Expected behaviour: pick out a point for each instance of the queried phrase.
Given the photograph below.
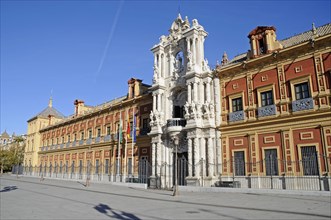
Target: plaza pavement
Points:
(30, 198)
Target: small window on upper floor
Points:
(261, 46)
(237, 104)
(301, 91)
(108, 130)
(82, 135)
(267, 98)
(99, 132)
(90, 134)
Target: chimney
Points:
(79, 104)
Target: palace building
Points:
(276, 109)
(185, 109)
(104, 141)
(260, 120)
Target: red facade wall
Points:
(307, 68)
(237, 86)
(266, 78)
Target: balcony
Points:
(144, 131)
(97, 140)
(266, 110)
(73, 144)
(67, 144)
(81, 142)
(236, 116)
(176, 122)
(89, 141)
(107, 138)
(175, 125)
(302, 104)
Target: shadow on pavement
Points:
(8, 188)
(103, 208)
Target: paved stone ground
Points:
(30, 198)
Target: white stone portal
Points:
(185, 106)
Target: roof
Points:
(306, 36)
(48, 111)
(291, 41)
(5, 134)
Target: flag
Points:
(128, 131)
(120, 131)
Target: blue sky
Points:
(89, 49)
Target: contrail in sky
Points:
(109, 38)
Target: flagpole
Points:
(119, 146)
(126, 146)
(132, 138)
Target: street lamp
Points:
(176, 142)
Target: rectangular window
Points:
(237, 104)
(309, 161)
(62, 140)
(99, 132)
(271, 162)
(266, 98)
(68, 138)
(302, 91)
(80, 167)
(82, 135)
(108, 130)
(145, 123)
(239, 163)
(60, 166)
(90, 134)
(73, 167)
(96, 166)
(75, 137)
(130, 166)
(106, 166)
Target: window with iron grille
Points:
(237, 104)
(73, 167)
(97, 166)
(106, 166)
(130, 166)
(302, 91)
(239, 163)
(266, 98)
(309, 161)
(271, 162)
(80, 166)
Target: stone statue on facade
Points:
(212, 110)
(151, 117)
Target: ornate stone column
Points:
(210, 157)
(208, 90)
(153, 159)
(154, 102)
(195, 90)
(203, 156)
(189, 155)
(153, 176)
(189, 92)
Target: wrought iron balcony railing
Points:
(266, 110)
(176, 122)
(302, 104)
(236, 116)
